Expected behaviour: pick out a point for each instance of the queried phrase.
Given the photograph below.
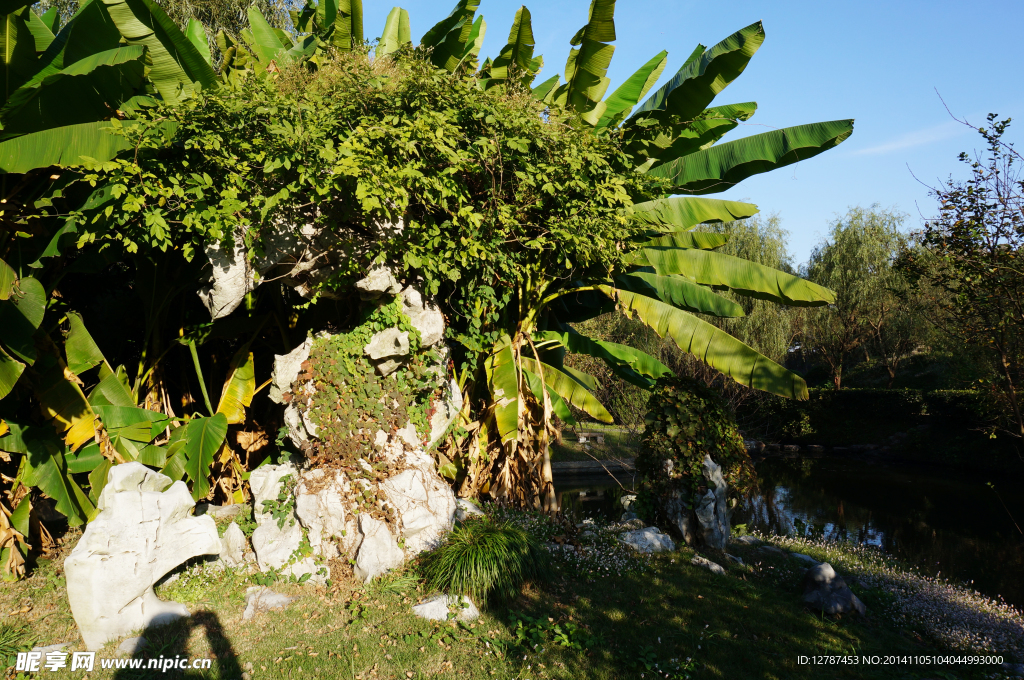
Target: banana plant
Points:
(62, 87)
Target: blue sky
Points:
(877, 62)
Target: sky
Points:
(884, 64)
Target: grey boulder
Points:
(713, 567)
(378, 282)
(424, 316)
(825, 590)
(259, 599)
(648, 540)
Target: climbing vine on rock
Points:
(685, 422)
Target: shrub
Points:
(686, 421)
(486, 560)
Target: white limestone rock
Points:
(232, 278)
(465, 509)
(388, 343)
(437, 609)
(424, 316)
(378, 551)
(378, 282)
(320, 506)
(265, 484)
(260, 599)
(233, 545)
(445, 412)
(648, 540)
(144, 530)
(825, 590)
(425, 504)
(712, 510)
(286, 370)
(275, 548)
(713, 567)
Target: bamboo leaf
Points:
(711, 345)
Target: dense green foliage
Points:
(485, 559)
(687, 421)
(970, 264)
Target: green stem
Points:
(199, 372)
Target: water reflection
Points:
(947, 523)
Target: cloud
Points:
(929, 135)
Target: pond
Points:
(948, 523)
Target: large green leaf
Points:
(97, 84)
(569, 389)
(612, 354)
(748, 278)
(203, 437)
(680, 213)
(41, 33)
(266, 45)
(17, 53)
(702, 240)
(711, 345)
(10, 371)
(81, 350)
(723, 166)
(90, 31)
(503, 384)
(46, 468)
(178, 67)
(51, 19)
(449, 37)
(396, 32)
(700, 79)
(348, 25)
(20, 316)
(545, 92)
(558, 405)
(475, 41)
(586, 68)
(63, 400)
(67, 145)
(196, 34)
(518, 52)
(712, 125)
(625, 97)
(112, 389)
(680, 292)
(7, 278)
(239, 388)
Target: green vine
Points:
(283, 508)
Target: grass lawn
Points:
(651, 616)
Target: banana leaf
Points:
(503, 383)
(178, 67)
(711, 345)
(723, 166)
(704, 75)
(748, 278)
(265, 44)
(449, 37)
(96, 84)
(10, 371)
(45, 467)
(680, 292)
(568, 389)
(17, 53)
(196, 34)
(643, 368)
(20, 317)
(546, 90)
(702, 240)
(7, 278)
(396, 32)
(558, 405)
(239, 388)
(81, 350)
(679, 213)
(713, 124)
(41, 33)
(66, 146)
(348, 24)
(625, 97)
(518, 52)
(203, 437)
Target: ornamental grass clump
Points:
(485, 560)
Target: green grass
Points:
(668, 619)
(618, 444)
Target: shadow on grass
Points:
(170, 643)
